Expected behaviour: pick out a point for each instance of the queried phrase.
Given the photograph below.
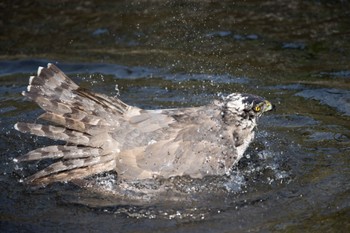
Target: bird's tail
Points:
(79, 117)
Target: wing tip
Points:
(16, 126)
(22, 127)
(31, 79)
(40, 68)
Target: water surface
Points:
(164, 54)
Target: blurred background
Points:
(164, 54)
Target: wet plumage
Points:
(105, 134)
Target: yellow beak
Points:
(268, 106)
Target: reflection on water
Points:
(295, 175)
(339, 99)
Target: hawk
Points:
(103, 133)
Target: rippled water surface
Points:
(165, 54)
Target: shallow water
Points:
(294, 177)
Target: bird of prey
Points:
(105, 134)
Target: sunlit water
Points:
(294, 176)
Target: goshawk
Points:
(104, 134)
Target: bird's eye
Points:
(257, 108)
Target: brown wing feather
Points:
(84, 119)
(58, 152)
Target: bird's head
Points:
(239, 106)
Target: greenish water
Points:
(163, 54)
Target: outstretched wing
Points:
(81, 118)
(96, 127)
(67, 104)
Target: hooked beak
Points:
(269, 106)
